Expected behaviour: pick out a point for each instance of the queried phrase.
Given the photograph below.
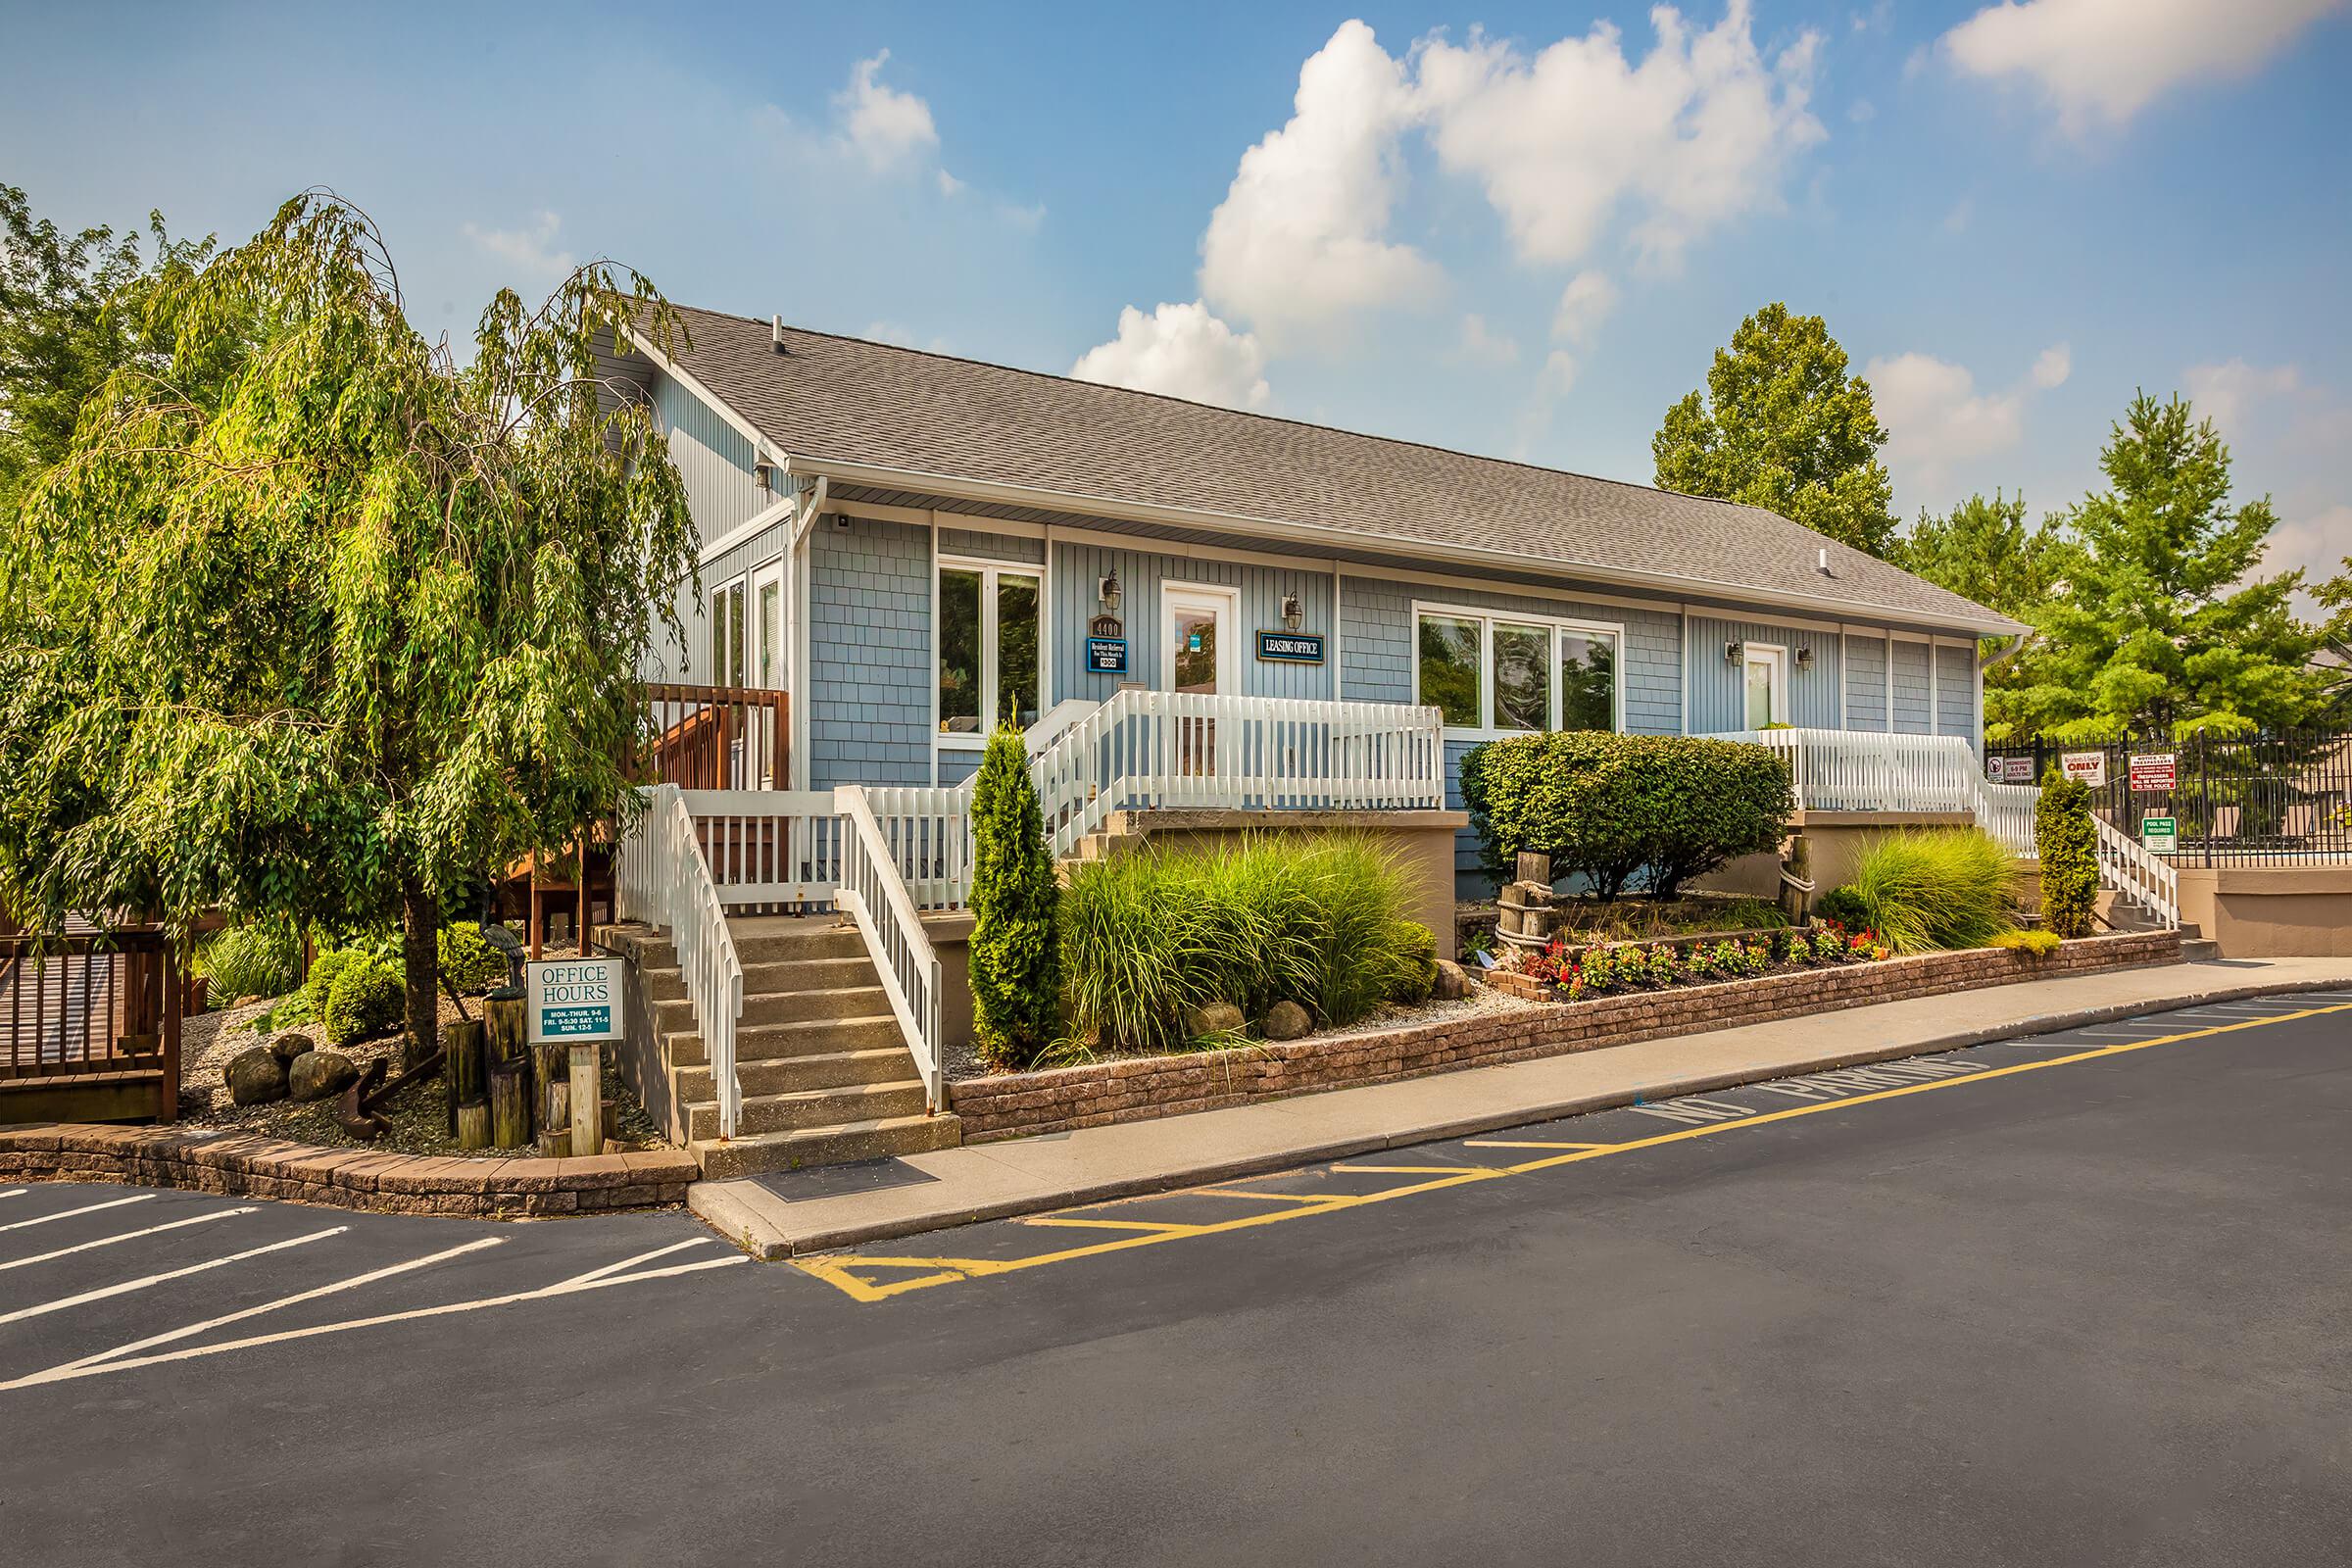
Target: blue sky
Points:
(1510, 228)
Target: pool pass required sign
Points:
(573, 1000)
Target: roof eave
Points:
(843, 472)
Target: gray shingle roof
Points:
(851, 401)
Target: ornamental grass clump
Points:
(1151, 936)
(1926, 888)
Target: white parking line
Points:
(15, 1192)
(68, 1213)
(125, 1236)
(630, 1262)
(209, 1323)
(145, 1281)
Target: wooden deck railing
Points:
(92, 1004)
(718, 737)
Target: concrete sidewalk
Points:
(843, 1206)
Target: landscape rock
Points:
(319, 1074)
(1216, 1018)
(255, 1076)
(1452, 984)
(286, 1046)
(1287, 1020)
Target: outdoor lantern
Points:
(1733, 653)
(1292, 614)
(1805, 658)
(1107, 590)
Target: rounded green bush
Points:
(365, 998)
(1844, 905)
(467, 961)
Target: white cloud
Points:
(530, 249)
(2289, 437)
(1589, 297)
(2105, 59)
(887, 128)
(1183, 351)
(2228, 393)
(1936, 419)
(1482, 345)
(1298, 244)
(1693, 137)
(948, 184)
(1559, 374)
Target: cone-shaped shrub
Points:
(2069, 848)
(1016, 953)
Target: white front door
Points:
(1199, 658)
(1767, 686)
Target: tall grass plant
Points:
(1926, 888)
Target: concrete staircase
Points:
(826, 1075)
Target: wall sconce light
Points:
(1107, 590)
(1805, 658)
(1292, 614)
(1733, 653)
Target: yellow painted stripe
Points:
(1413, 1170)
(1111, 1224)
(837, 1270)
(1526, 1142)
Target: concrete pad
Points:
(952, 1187)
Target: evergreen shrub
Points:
(1016, 949)
(2068, 844)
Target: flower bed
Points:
(1572, 973)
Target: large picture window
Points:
(988, 649)
(1506, 674)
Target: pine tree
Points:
(1016, 948)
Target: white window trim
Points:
(990, 570)
(1780, 679)
(1485, 730)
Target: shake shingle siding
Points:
(869, 635)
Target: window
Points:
(1509, 675)
(728, 626)
(989, 650)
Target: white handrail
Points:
(876, 898)
(2127, 867)
(663, 878)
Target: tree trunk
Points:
(473, 1125)
(420, 957)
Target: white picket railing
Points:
(663, 878)
(875, 895)
(2126, 866)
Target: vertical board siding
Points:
(870, 650)
(1078, 568)
(1719, 687)
(1956, 693)
(713, 460)
(1866, 683)
(1911, 715)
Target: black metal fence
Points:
(2273, 800)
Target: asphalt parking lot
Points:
(2079, 1299)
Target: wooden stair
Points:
(825, 1073)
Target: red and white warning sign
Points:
(2154, 772)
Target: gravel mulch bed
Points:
(416, 1114)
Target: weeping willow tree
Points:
(354, 623)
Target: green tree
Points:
(74, 310)
(1016, 948)
(326, 640)
(2158, 623)
(2333, 658)
(2067, 846)
(1782, 424)
(1984, 550)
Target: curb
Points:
(735, 1221)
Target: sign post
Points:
(576, 1003)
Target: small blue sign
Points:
(1291, 647)
(1106, 655)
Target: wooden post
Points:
(551, 1100)
(473, 1125)
(166, 1110)
(511, 1105)
(535, 921)
(587, 1102)
(583, 933)
(554, 1145)
(505, 1018)
(461, 1044)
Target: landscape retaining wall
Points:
(1098, 1094)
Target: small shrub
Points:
(2068, 844)
(1420, 967)
(1844, 905)
(367, 997)
(1928, 888)
(1610, 808)
(467, 961)
(2036, 942)
(262, 958)
(1015, 949)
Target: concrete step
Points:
(807, 1108)
(786, 1075)
(807, 974)
(2194, 948)
(758, 943)
(751, 1154)
(773, 1041)
(789, 1007)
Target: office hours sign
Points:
(573, 1000)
